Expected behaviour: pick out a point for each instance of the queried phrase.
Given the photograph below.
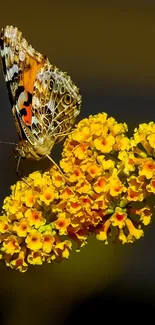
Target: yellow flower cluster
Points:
(107, 180)
(27, 227)
(103, 189)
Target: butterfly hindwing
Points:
(55, 103)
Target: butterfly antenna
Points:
(3, 142)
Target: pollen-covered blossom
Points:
(102, 191)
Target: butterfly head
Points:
(25, 150)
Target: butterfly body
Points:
(45, 102)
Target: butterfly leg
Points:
(20, 176)
(54, 163)
(17, 168)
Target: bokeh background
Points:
(108, 49)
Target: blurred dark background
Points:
(108, 49)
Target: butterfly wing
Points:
(44, 100)
(20, 66)
(56, 102)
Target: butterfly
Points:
(45, 102)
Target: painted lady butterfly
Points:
(45, 102)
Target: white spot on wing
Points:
(2, 53)
(21, 56)
(14, 32)
(34, 120)
(22, 98)
(6, 34)
(51, 105)
(7, 50)
(13, 70)
(35, 101)
(24, 43)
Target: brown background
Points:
(108, 49)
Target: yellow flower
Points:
(151, 139)
(94, 170)
(80, 237)
(118, 218)
(17, 188)
(29, 198)
(122, 142)
(121, 236)
(48, 195)
(100, 201)
(145, 215)
(96, 128)
(151, 186)
(82, 135)
(3, 224)
(57, 178)
(92, 218)
(139, 137)
(11, 245)
(85, 201)
(21, 228)
(101, 185)
(19, 215)
(35, 258)
(104, 145)
(19, 263)
(135, 195)
(73, 205)
(136, 183)
(83, 186)
(98, 118)
(48, 240)
(34, 240)
(119, 128)
(66, 165)
(76, 175)
(62, 250)
(133, 232)
(80, 151)
(62, 223)
(141, 132)
(102, 233)
(127, 162)
(66, 193)
(36, 180)
(147, 169)
(11, 205)
(106, 164)
(34, 218)
(116, 187)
